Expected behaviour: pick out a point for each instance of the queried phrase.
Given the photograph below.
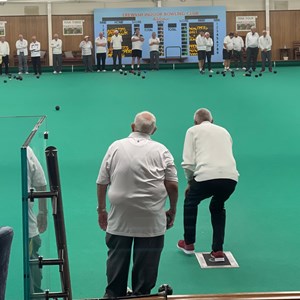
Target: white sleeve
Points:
(188, 163)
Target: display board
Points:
(176, 27)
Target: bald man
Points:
(141, 175)
(35, 52)
(116, 45)
(56, 45)
(22, 52)
(252, 49)
(210, 170)
(265, 45)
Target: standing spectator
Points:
(265, 45)
(201, 48)
(209, 45)
(137, 44)
(86, 47)
(101, 45)
(210, 170)
(56, 45)
(116, 45)
(4, 54)
(35, 50)
(252, 38)
(227, 51)
(22, 52)
(140, 174)
(238, 48)
(154, 51)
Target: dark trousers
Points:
(36, 64)
(35, 271)
(154, 60)
(238, 59)
(117, 54)
(101, 57)
(57, 62)
(5, 61)
(146, 257)
(208, 59)
(266, 56)
(252, 58)
(220, 190)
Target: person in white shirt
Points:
(227, 51)
(252, 49)
(101, 49)
(86, 47)
(210, 170)
(238, 48)
(22, 52)
(141, 174)
(265, 45)
(137, 44)
(201, 48)
(116, 45)
(154, 51)
(209, 45)
(56, 45)
(35, 51)
(4, 54)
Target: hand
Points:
(42, 222)
(187, 190)
(102, 220)
(170, 215)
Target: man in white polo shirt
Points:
(140, 174)
(154, 51)
(137, 44)
(227, 51)
(56, 45)
(35, 51)
(86, 47)
(116, 45)
(238, 48)
(22, 52)
(265, 45)
(101, 49)
(210, 170)
(252, 49)
(201, 48)
(4, 53)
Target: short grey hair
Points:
(202, 115)
(145, 122)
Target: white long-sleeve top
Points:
(22, 46)
(201, 43)
(4, 48)
(252, 40)
(238, 43)
(35, 49)
(265, 43)
(207, 153)
(209, 44)
(56, 46)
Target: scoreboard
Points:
(176, 27)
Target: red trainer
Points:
(187, 249)
(217, 256)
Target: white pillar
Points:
(267, 9)
(49, 15)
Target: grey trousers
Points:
(154, 60)
(22, 60)
(264, 57)
(87, 62)
(146, 257)
(57, 62)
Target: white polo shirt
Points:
(135, 168)
(207, 153)
(117, 42)
(238, 43)
(56, 46)
(201, 43)
(101, 49)
(4, 48)
(265, 42)
(137, 45)
(86, 48)
(154, 47)
(228, 41)
(22, 47)
(252, 40)
(35, 49)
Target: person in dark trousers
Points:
(252, 49)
